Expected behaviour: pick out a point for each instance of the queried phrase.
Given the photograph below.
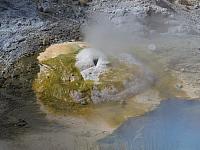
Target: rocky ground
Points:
(28, 27)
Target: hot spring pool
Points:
(174, 125)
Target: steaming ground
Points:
(164, 38)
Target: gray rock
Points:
(77, 96)
(179, 86)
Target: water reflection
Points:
(174, 125)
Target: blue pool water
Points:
(174, 125)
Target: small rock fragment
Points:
(152, 47)
(182, 69)
(179, 86)
(21, 123)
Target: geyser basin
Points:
(174, 125)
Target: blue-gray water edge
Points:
(174, 125)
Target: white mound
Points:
(92, 63)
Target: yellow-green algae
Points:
(59, 76)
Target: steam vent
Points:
(74, 76)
